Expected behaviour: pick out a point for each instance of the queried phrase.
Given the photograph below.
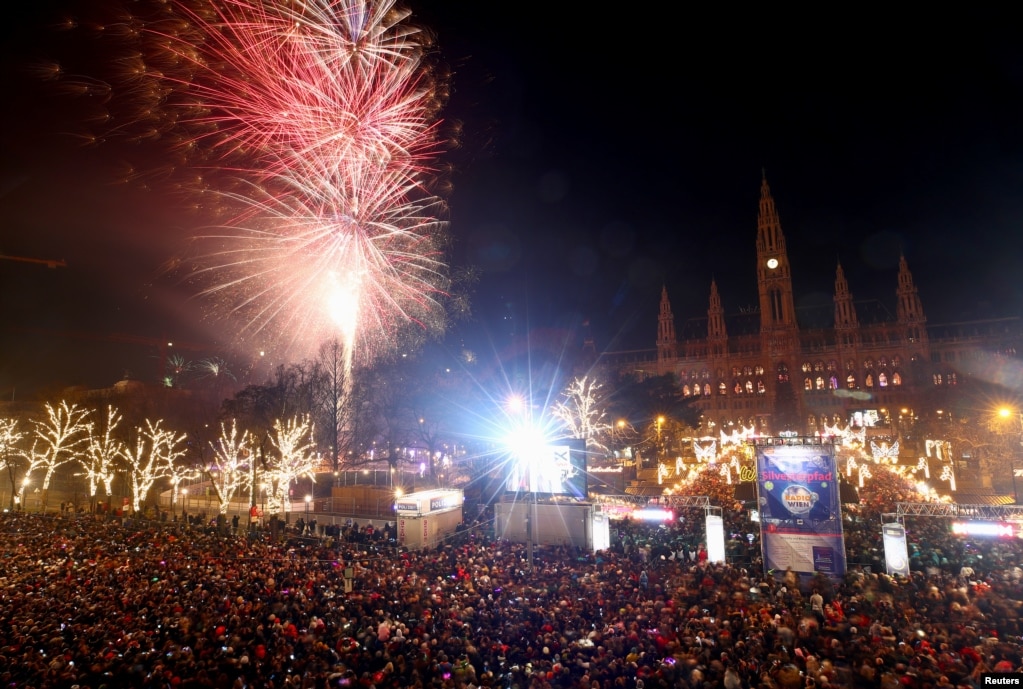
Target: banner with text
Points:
(800, 509)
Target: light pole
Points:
(1006, 413)
(24, 485)
(308, 500)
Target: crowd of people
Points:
(92, 603)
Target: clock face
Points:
(772, 263)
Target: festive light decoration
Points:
(706, 449)
(57, 439)
(105, 448)
(582, 409)
(948, 474)
(293, 457)
(884, 451)
(150, 458)
(229, 468)
(922, 464)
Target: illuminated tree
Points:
(228, 470)
(10, 454)
(57, 440)
(292, 456)
(103, 450)
(150, 458)
(584, 411)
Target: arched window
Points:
(706, 375)
(850, 365)
(761, 388)
(882, 379)
(850, 381)
(819, 383)
(807, 367)
(747, 370)
(896, 379)
(868, 364)
(950, 378)
(706, 389)
(937, 379)
(807, 384)
(737, 387)
(883, 362)
(686, 392)
(869, 380)
(832, 365)
(749, 387)
(735, 372)
(833, 382)
(783, 373)
(722, 388)
(721, 373)
(812, 421)
(896, 362)
(818, 366)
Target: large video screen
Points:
(558, 468)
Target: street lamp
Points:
(308, 499)
(1007, 413)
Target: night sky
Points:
(601, 155)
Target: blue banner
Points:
(800, 509)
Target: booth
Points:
(426, 518)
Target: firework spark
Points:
(326, 112)
(310, 128)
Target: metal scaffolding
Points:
(939, 509)
(701, 501)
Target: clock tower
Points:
(774, 278)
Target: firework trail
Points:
(327, 111)
(314, 125)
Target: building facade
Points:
(765, 369)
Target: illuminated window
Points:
(850, 381)
(818, 366)
(868, 364)
(882, 380)
(869, 380)
(807, 384)
(833, 382)
(737, 387)
(896, 362)
(686, 391)
(783, 373)
(937, 379)
(722, 388)
(749, 387)
(850, 365)
(807, 367)
(819, 383)
(747, 370)
(735, 372)
(950, 378)
(883, 362)
(761, 389)
(706, 389)
(896, 379)
(832, 365)
(706, 375)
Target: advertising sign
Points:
(896, 555)
(800, 509)
(715, 538)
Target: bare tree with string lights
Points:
(10, 452)
(293, 456)
(102, 453)
(57, 440)
(229, 469)
(151, 458)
